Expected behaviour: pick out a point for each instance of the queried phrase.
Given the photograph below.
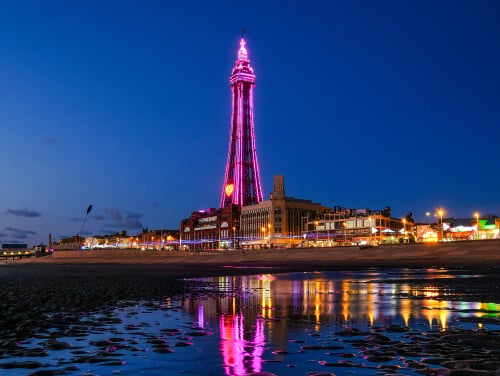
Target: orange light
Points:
(229, 189)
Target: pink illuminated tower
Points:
(242, 180)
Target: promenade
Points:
(451, 254)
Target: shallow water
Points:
(287, 324)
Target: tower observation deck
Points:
(242, 184)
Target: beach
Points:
(56, 291)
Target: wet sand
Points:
(54, 291)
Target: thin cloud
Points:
(121, 220)
(74, 219)
(97, 217)
(24, 213)
(134, 215)
(17, 233)
(131, 223)
(114, 213)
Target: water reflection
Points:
(275, 309)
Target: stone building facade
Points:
(276, 222)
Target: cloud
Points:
(114, 213)
(74, 219)
(134, 215)
(24, 213)
(2, 235)
(156, 204)
(50, 141)
(118, 220)
(97, 217)
(17, 233)
(131, 223)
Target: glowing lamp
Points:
(229, 189)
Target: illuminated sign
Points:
(229, 189)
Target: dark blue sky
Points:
(126, 105)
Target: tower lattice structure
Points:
(242, 184)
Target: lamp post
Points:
(234, 239)
(477, 225)
(303, 225)
(316, 223)
(263, 229)
(441, 212)
(404, 230)
(270, 234)
(345, 232)
(371, 235)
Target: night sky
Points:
(126, 106)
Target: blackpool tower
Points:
(242, 179)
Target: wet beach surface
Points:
(145, 319)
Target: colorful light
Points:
(229, 189)
(242, 168)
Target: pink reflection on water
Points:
(232, 344)
(201, 323)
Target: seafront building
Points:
(210, 229)
(277, 222)
(455, 229)
(345, 226)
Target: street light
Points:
(270, 233)
(441, 212)
(404, 229)
(345, 232)
(263, 229)
(234, 241)
(477, 225)
(371, 234)
(316, 223)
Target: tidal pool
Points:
(344, 323)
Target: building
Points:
(14, 246)
(242, 184)
(344, 226)
(161, 239)
(276, 222)
(212, 229)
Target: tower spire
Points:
(242, 52)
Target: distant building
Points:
(278, 221)
(14, 246)
(161, 239)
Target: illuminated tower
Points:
(242, 179)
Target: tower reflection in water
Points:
(266, 311)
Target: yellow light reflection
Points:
(345, 300)
(443, 315)
(406, 310)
